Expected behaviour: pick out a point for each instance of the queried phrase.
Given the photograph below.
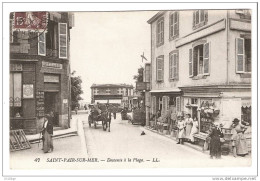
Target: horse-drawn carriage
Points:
(96, 115)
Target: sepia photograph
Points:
(99, 89)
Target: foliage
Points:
(76, 90)
(139, 76)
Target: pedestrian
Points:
(215, 144)
(238, 138)
(181, 128)
(188, 123)
(76, 109)
(47, 132)
(85, 107)
(194, 129)
(114, 112)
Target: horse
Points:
(106, 120)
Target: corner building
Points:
(202, 59)
(40, 72)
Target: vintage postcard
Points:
(131, 89)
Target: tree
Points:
(139, 76)
(76, 90)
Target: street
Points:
(147, 151)
(123, 147)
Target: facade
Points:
(107, 92)
(39, 69)
(201, 59)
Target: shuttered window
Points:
(206, 59)
(190, 63)
(62, 40)
(160, 68)
(160, 32)
(173, 66)
(174, 24)
(200, 18)
(240, 55)
(42, 44)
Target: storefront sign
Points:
(51, 65)
(30, 21)
(16, 67)
(28, 91)
(51, 78)
(40, 104)
(142, 86)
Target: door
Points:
(51, 103)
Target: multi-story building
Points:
(39, 69)
(201, 59)
(107, 92)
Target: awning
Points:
(166, 91)
(246, 103)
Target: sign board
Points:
(40, 104)
(51, 65)
(51, 78)
(30, 21)
(27, 90)
(142, 86)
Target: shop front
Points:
(217, 104)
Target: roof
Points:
(155, 17)
(111, 85)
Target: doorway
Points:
(51, 103)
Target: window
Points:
(96, 91)
(199, 60)
(173, 66)
(42, 44)
(119, 91)
(108, 91)
(205, 121)
(15, 99)
(62, 40)
(160, 68)
(243, 55)
(160, 32)
(200, 18)
(174, 25)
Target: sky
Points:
(106, 47)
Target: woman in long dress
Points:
(238, 138)
(215, 144)
(181, 127)
(194, 129)
(188, 123)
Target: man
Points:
(47, 132)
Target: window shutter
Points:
(162, 31)
(42, 44)
(171, 25)
(170, 66)
(167, 103)
(178, 104)
(175, 65)
(193, 20)
(177, 23)
(62, 40)
(206, 15)
(190, 63)
(158, 33)
(160, 69)
(240, 55)
(202, 15)
(206, 49)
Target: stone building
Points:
(39, 69)
(201, 59)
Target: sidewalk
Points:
(195, 147)
(73, 130)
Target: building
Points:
(39, 69)
(201, 60)
(113, 93)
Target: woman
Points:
(188, 123)
(181, 127)
(47, 132)
(238, 138)
(215, 144)
(194, 129)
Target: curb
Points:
(63, 135)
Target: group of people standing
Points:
(187, 128)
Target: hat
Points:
(236, 120)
